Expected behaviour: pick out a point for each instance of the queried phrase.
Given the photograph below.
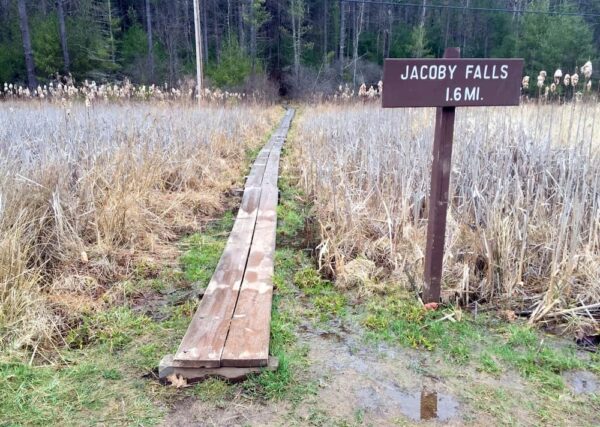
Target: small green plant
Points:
(397, 318)
(200, 260)
(111, 374)
(330, 304)
(116, 328)
(487, 363)
(308, 279)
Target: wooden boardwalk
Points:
(229, 333)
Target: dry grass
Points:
(85, 192)
(524, 221)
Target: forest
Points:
(306, 44)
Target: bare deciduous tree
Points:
(27, 50)
(62, 31)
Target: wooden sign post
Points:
(447, 83)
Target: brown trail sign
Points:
(447, 83)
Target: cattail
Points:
(567, 80)
(540, 81)
(553, 87)
(588, 85)
(362, 91)
(574, 79)
(586, 70)
(558, 76)
(380, 87)
(525, 82)
(543, 74)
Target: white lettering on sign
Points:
(429, 72)
(463, 93)
(442, 72)
(451, 82)
(485, 72)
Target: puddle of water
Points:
(582, 382)
(354, 362)
(417, 405)
(424, 404)
(368, 398)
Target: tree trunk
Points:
(447, 32)
(252, 35)
(187, 30)
(423, 14)
(198, 34)
(228, 21)
(278, 37)
(297, 13)
(342, 36)
(390, 35)
(205, 31)
(216, 30)
(62, 31)
(325, 29)
(241, 31)
(358, 23)
(27, 50)
(295, 45)
(150, 42)
(111, 35)
(465, 28)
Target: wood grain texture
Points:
(238, 297)
(168, 367)
(248, 340)
(249, 333)
(204, 340)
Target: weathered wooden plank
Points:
(247, 343)
(168, 367)
(204, 339)
(204, 343)
(258, 167)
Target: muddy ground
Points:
(360, 383)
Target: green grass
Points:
(115, 327)
(288, 381)
(484, 342)
(203, 251)
(102, 381)
(534, 356)
(293, 214)
(100, 374)
(327, 301)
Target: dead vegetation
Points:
(90, 195)
(524, 220)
